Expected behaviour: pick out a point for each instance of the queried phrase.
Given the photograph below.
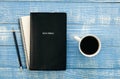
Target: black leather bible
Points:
(47, 41)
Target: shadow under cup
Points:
(89, 46)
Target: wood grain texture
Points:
(68, 0)
(102, 13)
(68, 74)
(101, 19)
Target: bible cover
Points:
(47, 41)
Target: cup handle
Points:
(77, 38)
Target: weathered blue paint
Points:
(101, 19)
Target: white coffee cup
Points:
(89, 45)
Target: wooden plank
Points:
(8, 57)
(68, 0)
(68, 74)
(102, 13)
(6, 38)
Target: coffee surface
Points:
(89, 45)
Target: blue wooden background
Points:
(99, 17)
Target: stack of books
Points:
(44, 40)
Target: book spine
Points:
(31, 42)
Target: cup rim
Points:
(98, 50)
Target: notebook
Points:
(44, 40)
(25, 32)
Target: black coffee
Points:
(89, 45)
